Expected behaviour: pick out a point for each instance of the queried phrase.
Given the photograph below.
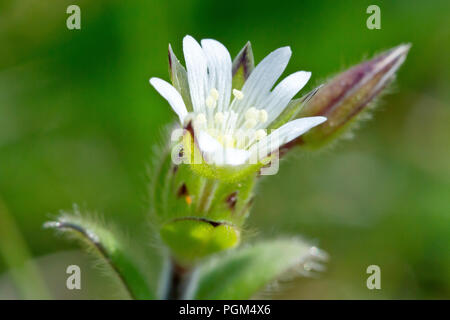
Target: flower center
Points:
(231, 129)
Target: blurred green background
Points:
(78, 121)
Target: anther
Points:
(210, 102)
(263, 115)
(214, 94)
(250, 123)
(251, 113)
(260, 134)
(238, 94)
(219, 117)
(201, 118)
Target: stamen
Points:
(214, 94)
(211, 102)
(251, 113)
(238, 94)
(200, 119)
(240, 138)
(260, 134)
(250, 123)
(219, 117)
(263, 115)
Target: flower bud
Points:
(343, 98)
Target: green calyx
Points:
(226, 173)
(195, 214)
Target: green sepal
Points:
(179, 193)
(227, 173)
(243, 65)
(178, 76)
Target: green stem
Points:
(14, 251)
(176, 281)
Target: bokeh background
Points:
(78, 121)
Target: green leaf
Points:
(243, 65)
(243, 272)
(129, 265)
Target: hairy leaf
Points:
(129, 265)
(243, 272)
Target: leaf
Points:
(178, 75)
(129, 265)
(243, 65)
(243, 272)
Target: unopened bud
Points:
(349, 93)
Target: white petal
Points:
(219, 67)
(283, 93)
(171, 95)
(235, 157)
(215, 153)
(285, 134)
(196, 65)
(258, 85)
(206, 143)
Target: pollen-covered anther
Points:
(260, 134)
(211, 100)
(219, 117)
(250, 123)
(200, 119)
(263, 116)
(238, 94)
(214, 94)
(251, 113)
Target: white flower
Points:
(229, 124)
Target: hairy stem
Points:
(177, 281)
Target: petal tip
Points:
(154, 81)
